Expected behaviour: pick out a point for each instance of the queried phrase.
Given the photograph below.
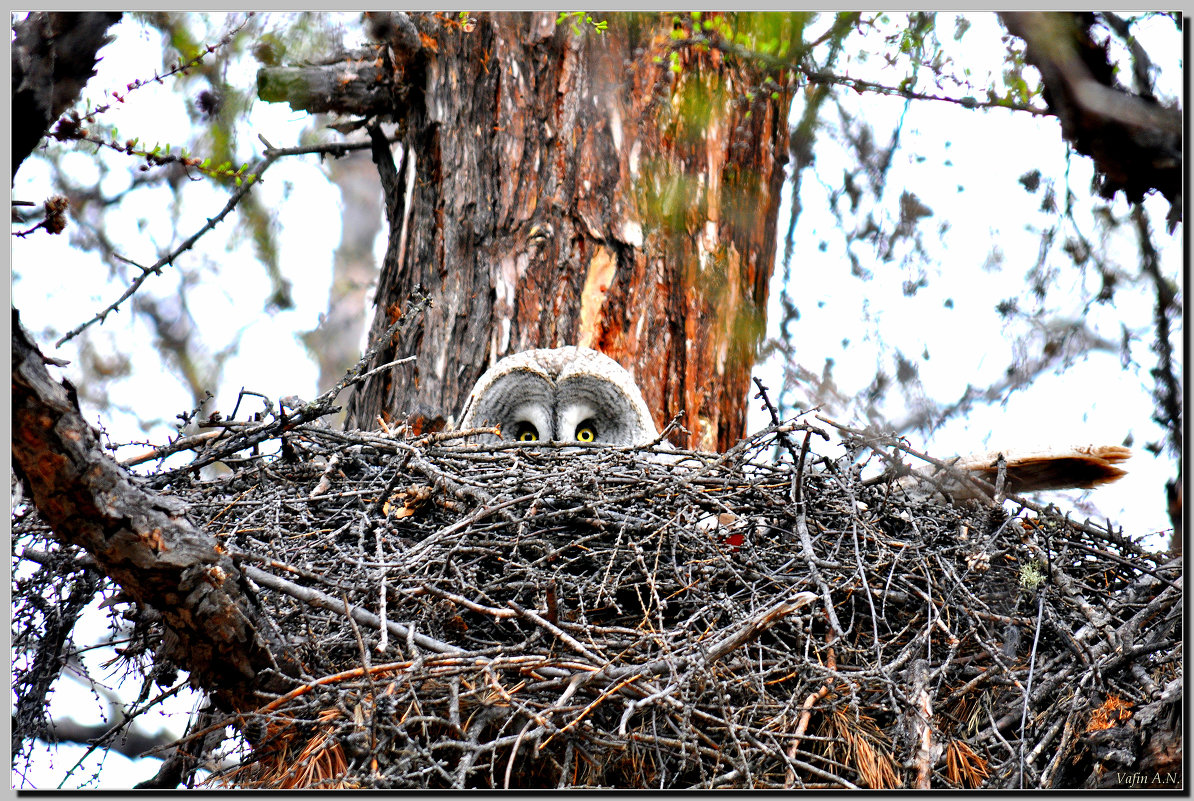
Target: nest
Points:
(509, 616)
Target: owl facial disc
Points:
(562, 394)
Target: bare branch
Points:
(144, 542)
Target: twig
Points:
(757, 624)
(857, 84)
(192, 442)
(252, 179)
(316, 598)
(807, 707)
(1036, 637)
(571, 641)
(321, 406)
(249, 180)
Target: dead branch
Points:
(627, 617)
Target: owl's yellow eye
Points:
(585, 432)
(526, 432)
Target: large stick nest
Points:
(500, 615)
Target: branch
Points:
(1135, 142)
(859, 85)
(53, 56)
(156, 268)
(281, 421)
(321, 600)
(358, 84)
(143, 541)
(1169, 391)
(777, 65)
(250, 179)
(1142, 65)
(366, 82)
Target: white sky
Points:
(969, 177)
(1094, 401)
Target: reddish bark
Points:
(572, 189)
(141, 540)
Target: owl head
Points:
(569, 394)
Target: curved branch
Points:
(1135, 142)
(142, 540)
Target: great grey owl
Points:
(570, 394)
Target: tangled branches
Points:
(505, 616)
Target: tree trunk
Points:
(601, 189)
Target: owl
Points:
(569, 394)
(575, 394)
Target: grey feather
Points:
(566, 394)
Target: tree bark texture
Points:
(567, 188)
(142, 540)
(53, 56)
